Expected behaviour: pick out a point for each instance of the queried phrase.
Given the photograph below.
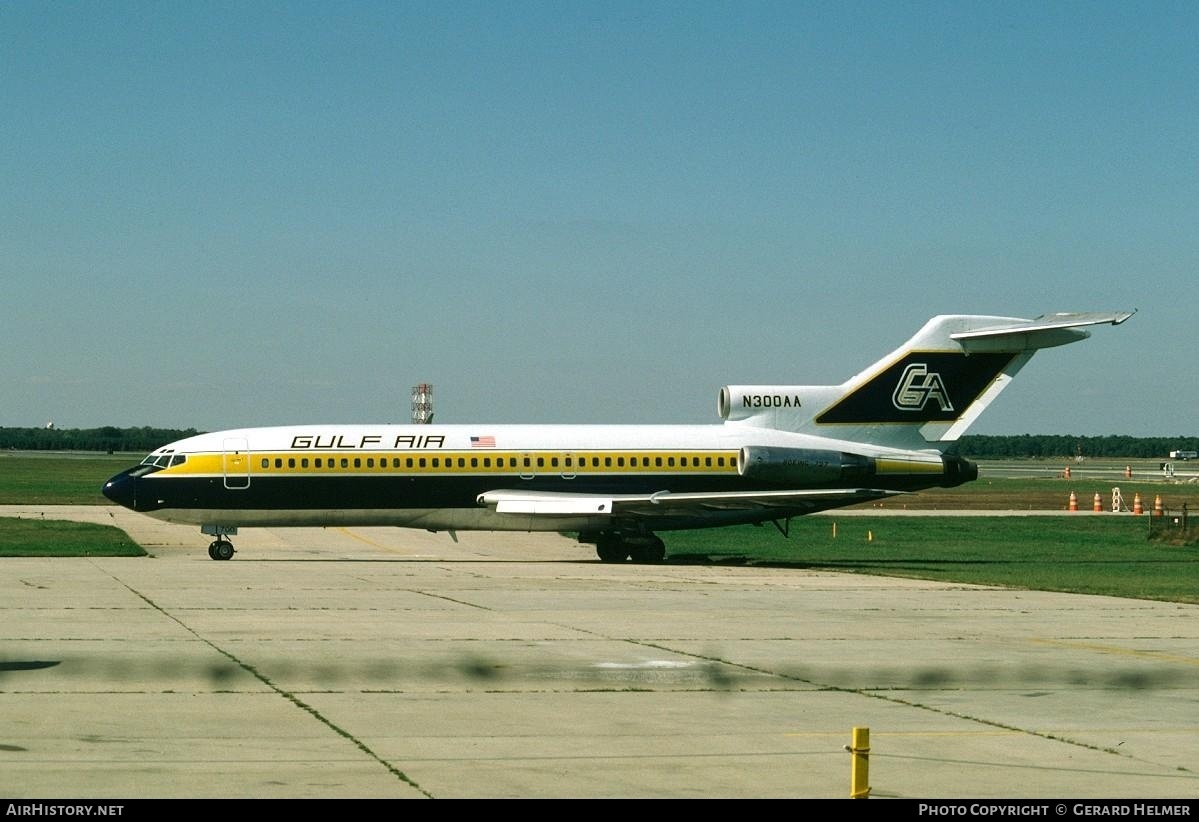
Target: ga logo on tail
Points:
(917, 386)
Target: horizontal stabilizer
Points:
(1045, 331)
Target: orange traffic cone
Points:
(1073, 502)
(1098, 505)
(1157, 506)
(1137, 507)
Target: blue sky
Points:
(225, 214)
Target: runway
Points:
(385, 663)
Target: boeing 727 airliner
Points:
(782, 451)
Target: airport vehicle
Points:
(781, 451)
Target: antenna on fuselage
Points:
(422, 404)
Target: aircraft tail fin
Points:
(927, 391)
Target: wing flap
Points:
(550, 503)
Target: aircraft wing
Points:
(659, 503)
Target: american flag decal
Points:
(482, 442)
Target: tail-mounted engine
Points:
(740, 402)
(802, 467)
(812, 467)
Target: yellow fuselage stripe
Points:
(491, 461)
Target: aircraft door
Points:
(527, 463)
(235, 463)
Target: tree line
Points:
(1066, 446)
(145, 439)
(105, 439)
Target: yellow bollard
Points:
(859, 772)
(834, 530)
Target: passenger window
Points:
(318, 463)
(461, 462)
(528, 463)
(291, 462)
(620, 462)
(408, 461)
(658, 461)
(304, 462)
(541, 462)
(266, 463)
(370, 462)
(707, 462)
(422, 462)
(553, 462)
(345, 463)
(607, 462)
(670, 461)
(486, 462)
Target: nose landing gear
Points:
(220, 548)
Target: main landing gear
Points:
(221, 548)
(617, 546)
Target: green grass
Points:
(1087, 555)
(58, 479)
(57, 538)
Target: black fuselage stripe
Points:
(397, 492)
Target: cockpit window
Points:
(164, 460)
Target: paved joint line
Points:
(289, 696)
(883, 697)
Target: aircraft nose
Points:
(122, 489)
